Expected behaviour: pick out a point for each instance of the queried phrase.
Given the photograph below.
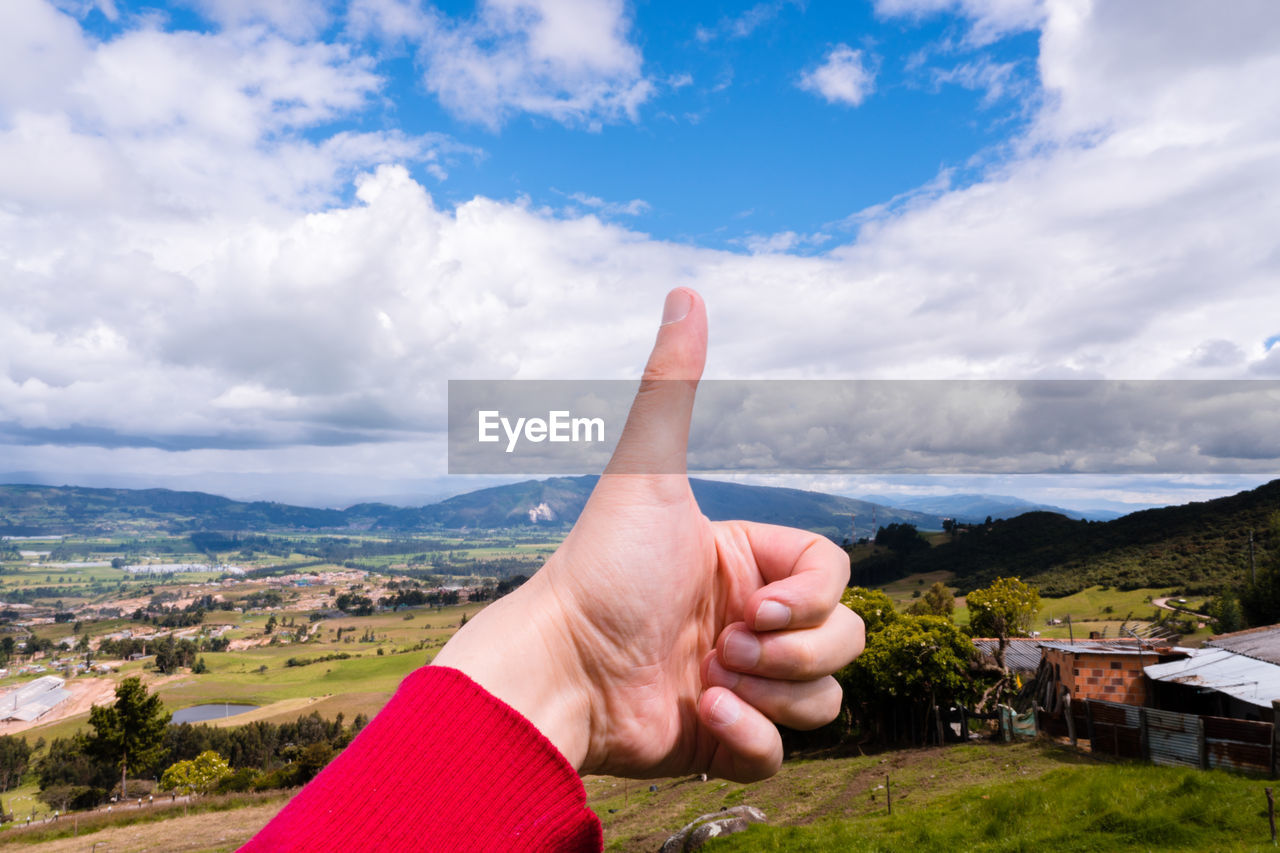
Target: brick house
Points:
(1104, 669)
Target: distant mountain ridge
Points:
(554, 503)
(969, 508)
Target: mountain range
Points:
(976, 508)
(552, 504)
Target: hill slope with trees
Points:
(1201, 546)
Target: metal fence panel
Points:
(1116, 729)
(1247, 757)
(1172, 739)
(1243, 731)
(1238, 744)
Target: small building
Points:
(1257, 643)
(33, 700)
(1105, 669)
(1235, 675)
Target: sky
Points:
(244, 244)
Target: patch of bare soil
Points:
(210, 831)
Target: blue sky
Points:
(249, 242)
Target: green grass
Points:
(1099, 808)
(813, 789)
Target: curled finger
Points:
(799, 705)
(748, 746)
(793, 655)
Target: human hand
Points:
(655, 642)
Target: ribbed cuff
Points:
(445, 766)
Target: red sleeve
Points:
(445, 766)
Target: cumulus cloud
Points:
(843, 77)
(183, 123)
(568, 60)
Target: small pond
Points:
(204, 713)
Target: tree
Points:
(15, 752)
(1225, 612)
(131, 730)
(875, 608)
(918, 657)
(69, 776)
(912, 666)
(1003, 610)
(271, 624)
(902, 539)
(198, 775)
(937, 601)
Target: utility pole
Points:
(1253, 572)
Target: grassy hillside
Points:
(1112, 808)
(975, 797)
(1197, 546)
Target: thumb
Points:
(656, 436)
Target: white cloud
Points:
(747, 22)
(995, 80)
(293, 18)
(635, 207)
(783, 241)
(842, 78)
(41, 52)
(989, 19)
(181, 123)
(568, 60)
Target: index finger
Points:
(804, 575)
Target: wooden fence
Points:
(1168, 737)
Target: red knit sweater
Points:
(445, 766)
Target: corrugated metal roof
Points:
(1253, 681)
(1020, 655)
(1099, 647)
(1258, 643)
(34, 699)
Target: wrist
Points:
(515, 649)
